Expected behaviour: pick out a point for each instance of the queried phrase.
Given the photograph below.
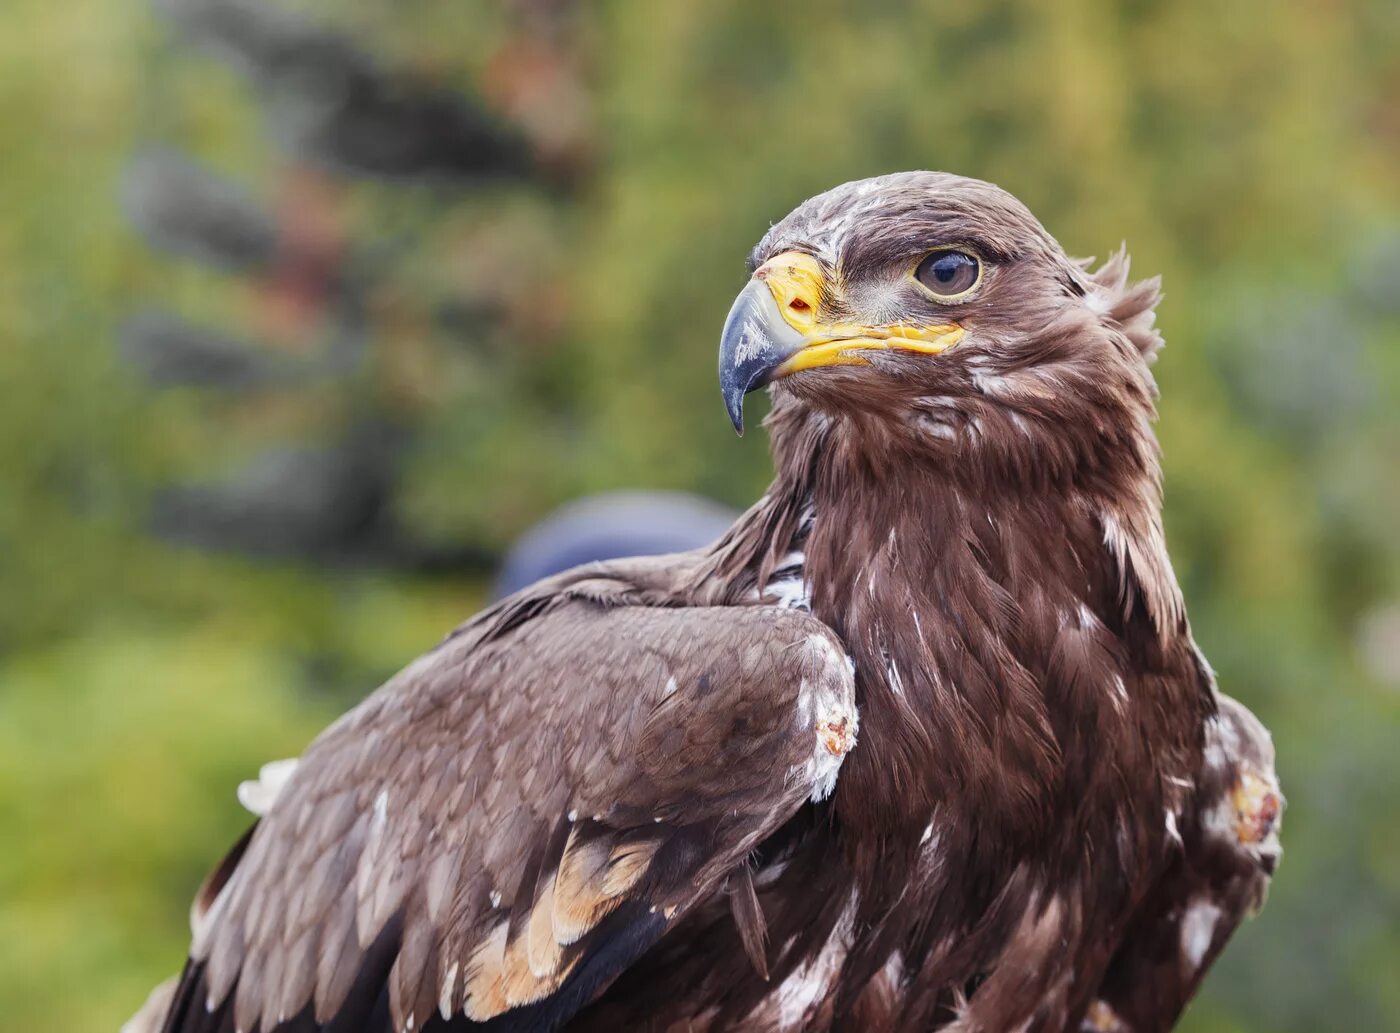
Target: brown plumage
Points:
(922, 743)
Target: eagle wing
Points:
(1227, 850)
(513, 819)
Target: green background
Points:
(1248, 151)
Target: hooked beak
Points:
(773, 331)
(755, 343)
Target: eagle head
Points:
(939, 306)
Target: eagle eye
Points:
(949, 273)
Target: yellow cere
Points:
(797, 283)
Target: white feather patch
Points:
(449, 984)
(802, 992)
(1197, 931)
(827, 711)
(258, 796)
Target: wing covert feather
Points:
(1228, 850)
(521, 812)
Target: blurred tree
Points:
(336, 298)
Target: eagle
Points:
(922, 742)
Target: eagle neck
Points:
(953, 594)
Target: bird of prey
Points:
(922, 742)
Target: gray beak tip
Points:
(734, 403)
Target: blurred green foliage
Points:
(1250, 152)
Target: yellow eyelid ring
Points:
(774, 329)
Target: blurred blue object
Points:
(606, 526)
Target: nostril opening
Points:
(798, 305)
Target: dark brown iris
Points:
(948, 272)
